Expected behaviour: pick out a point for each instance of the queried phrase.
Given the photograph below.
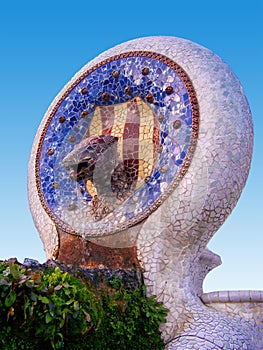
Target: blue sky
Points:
(44, 43)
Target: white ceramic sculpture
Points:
(192, 139)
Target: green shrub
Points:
(49, 309)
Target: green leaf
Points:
(26, 306)
(117, 295)
(14, 268)
(76, 305)
(48, 317)
(57, 270)
(51, 313)
(62, 322)
(10, 298)
(66, 311)
(57, 343)
(43, 299)
(31, 311)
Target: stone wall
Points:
(246, 304)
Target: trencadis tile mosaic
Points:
(148, 104)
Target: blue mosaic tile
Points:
(68, 128)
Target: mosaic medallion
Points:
(116, 143)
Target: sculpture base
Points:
(75, 250)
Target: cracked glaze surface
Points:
(172, 240)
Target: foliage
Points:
(47, 309)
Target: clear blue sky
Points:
(44, 43)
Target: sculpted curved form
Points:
(144, 154)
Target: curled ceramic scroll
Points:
(148, 148)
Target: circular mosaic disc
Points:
(116, 143)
